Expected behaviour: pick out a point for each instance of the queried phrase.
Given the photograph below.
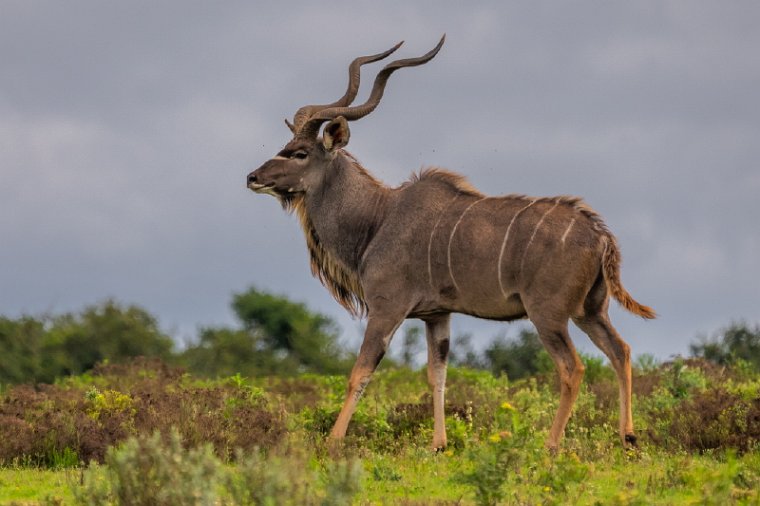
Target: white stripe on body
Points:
(567, 231)
(533, 236)
(430, 242)
(504, 246)
(451, 237)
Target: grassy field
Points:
(175, 439)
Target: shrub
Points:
(645, 363)
(270, 481)
(681, 379)
(153, 471)
(41, 424)
(371, 429)
(342, 482)
(158, 470)
(596, 370)
(513, 467)
(505, 453)
(716, 419)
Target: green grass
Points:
(698, 427)
(414, 475)
(418, 476)
(24, 485)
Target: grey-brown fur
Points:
(436, 246)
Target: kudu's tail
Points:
(611, 270)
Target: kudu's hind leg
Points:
(604, 336)
(556, 340)
(437, 333)
(376, 339)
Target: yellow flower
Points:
(449, 453)
(547, 489)
(507, 406)
(494, 438)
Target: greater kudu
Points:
(436, 246)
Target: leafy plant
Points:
(342, 482)
(273, 480)
(153, 470)
(682, 379)
(504, 454)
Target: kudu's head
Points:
(302, 163)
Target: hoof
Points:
(439, 449)
(630, 440)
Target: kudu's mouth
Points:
(263, 188)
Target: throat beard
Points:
(338, 278)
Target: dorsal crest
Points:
(455, 181)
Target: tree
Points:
(225, 352)
(411, 344)
(518, 358)
(738, 341)
(42, 349)
(106, 331)
(278, 336)
(281, 325)
(21, 341)
(463, 354)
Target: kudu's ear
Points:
(336, 134)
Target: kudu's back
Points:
(489, 257)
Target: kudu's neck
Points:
(346, 210)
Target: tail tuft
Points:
(611, 270)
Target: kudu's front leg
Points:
(438, 353)
(378, 335)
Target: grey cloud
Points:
(126, 130)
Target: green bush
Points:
(682, 379)
(262, 480)
(503, 454)
(342, 482)
(154, 470)
(157, 470)
(596, 369)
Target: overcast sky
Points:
(127, 130)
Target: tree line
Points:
(273, 336)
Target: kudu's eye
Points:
(300, 154)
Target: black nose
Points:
(251, 178)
